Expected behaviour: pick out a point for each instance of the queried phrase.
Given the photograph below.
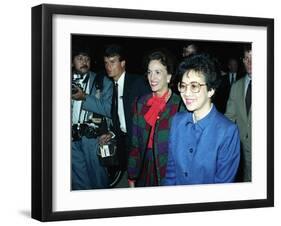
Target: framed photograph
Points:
(59, 30)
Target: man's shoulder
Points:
(240, 81)
(238, 85)
(100, 80)
(133, 78)
(102, 76)
(92, 73)
(137, 84)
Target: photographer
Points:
(91, 104)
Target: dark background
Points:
(136, 48)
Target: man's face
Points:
(247, 60)
(114, 67)
(188, 51)
(233, 66)
(81, 63)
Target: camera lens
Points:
(74, 89)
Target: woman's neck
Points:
(199, 114)
(161, 93)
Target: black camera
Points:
(83, 130)
(91, 129)
(74, 87)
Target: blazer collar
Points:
(204, 122)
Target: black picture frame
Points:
(42, 108)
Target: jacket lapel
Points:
(125, 90)
(241, 97)
(91, 83)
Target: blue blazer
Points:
(97, 102)
(205, 152)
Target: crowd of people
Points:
(178, 124)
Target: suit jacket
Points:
(134, 87)
(222, 93)
(236, 111)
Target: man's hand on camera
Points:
(105, 138)
(79, 95)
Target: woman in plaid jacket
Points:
(151, 124)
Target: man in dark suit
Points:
(227, 79)
(126, 87)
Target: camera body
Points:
(93, 128)
(74, 86)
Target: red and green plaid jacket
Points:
(140, 136)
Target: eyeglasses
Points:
(194, 87)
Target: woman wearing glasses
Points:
(151, 124)
(204, 146)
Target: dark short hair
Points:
(232, 59)
(83, 52)
(247, 48)
(204, 64)
(113, 50)
(194, 46)
(164, 57)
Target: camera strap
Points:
(77, 106)
(85, 86)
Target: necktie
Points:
(231, 79)
(114, 109)
(248, 99)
